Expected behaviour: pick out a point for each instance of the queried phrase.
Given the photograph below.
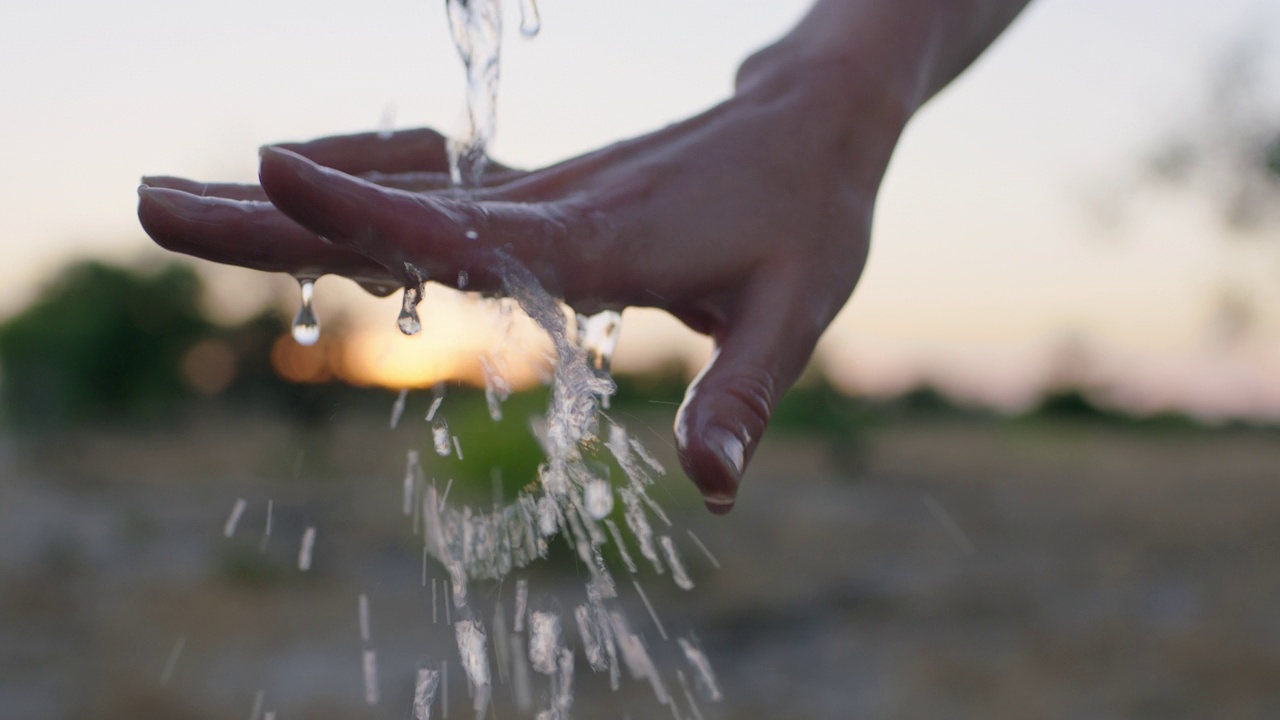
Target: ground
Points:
(942, 568)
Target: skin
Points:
(749, 222)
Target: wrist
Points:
(859, 102)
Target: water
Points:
(705, 676)
(266, 528)
(598, 496)
(435, 404)
(693, 704)
(306, 328)
(440, 437)
(620, 545)
(412, 473)
(363, 605)
(705, 550)
(477, 34)
(397, 408)
(408, 321)
(572, 494)
(598, 335)
(472, 646)
(369, 664)
(544, 641)
(496, 387)
(522, 602)
(653, 615)
(424, 692)
(530, 22)
(234, 518)
(678, 573)
(256, 711)
(304, 552)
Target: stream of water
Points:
(574, 497)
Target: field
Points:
(938, 568)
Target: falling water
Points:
(408, 321)
(306, 328)
(477, 33)
(530, 23)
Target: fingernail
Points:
(729, 451)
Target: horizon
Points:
(988, 253)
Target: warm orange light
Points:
(299, 364)
(385, 359)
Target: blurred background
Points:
(1032, 472)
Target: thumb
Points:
(727, 407)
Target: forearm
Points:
(910, 49)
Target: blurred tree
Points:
(100, 342)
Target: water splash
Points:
(463, 279)
(544, 640)
(424, 692)
(472, 646)
(306, 328)
(598, 496)
(408, 321)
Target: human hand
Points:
(749, 223)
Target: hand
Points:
(748, 222)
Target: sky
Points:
(986, 252)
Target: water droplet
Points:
(463, 278)
(598, 336)
(598, 496)
(306, 328)
(408, 320)
(472, 235)
(530, 22)
(440, 437)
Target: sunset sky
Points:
(988, 250)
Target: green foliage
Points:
(505, 449)
(100, 341)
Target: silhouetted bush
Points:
(101, 341)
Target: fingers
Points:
(727, 407)
(404, 151)
(229, 191)
(416, 236)
(420, 150)
(251, 234)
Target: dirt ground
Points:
(955, 570)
